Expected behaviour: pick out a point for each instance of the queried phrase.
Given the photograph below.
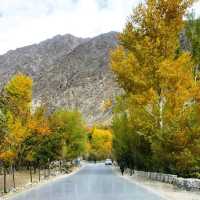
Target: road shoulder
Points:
(33, 186)
(164, 190)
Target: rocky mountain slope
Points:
(70, 72)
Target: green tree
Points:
(130, 146)
(69, 125)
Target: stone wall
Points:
(184, 183)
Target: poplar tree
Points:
(15, 105)
(157, 79)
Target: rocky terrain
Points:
(67, 71)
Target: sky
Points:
(24, 22)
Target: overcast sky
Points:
(24, 22)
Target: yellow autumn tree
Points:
(145, 61)
(157, 78)
(38, 123)
(101, 144)
(15, 106)
(18, 92)
(39, 135)
(17, 99)
(15, 135)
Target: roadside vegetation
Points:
(33, 138)
(99, 145)
(156, 122)
(156, 125)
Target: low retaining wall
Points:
(184, 183)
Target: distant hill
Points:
(70, 72)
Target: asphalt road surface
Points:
(93, 182)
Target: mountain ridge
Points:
(70, 72)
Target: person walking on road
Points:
(122, 169)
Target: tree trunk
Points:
(60, 166)
(30, 170)
(4, 180)
(49, 170)
(39, 172)
(13, 175)
(161, 104)
(45, 172)
(35, 169)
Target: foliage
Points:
(33, 136)
(193, 36)
(130, 147)
(159, 90)
(100, 144)
(15, 106)
(39, 132)
(69, 125)
(38, 123)
(18, 93)
(107, 104)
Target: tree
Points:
(101, 144)
(39, 130)
(15, 105)
(33, 137)
(130, 148)
(11, 142)
(18, 93)
(5, 156)
(144, 62)
(157, 80)
(71, 129)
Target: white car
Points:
(108, 162)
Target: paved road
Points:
(93, 182)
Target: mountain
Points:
(67, 71)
